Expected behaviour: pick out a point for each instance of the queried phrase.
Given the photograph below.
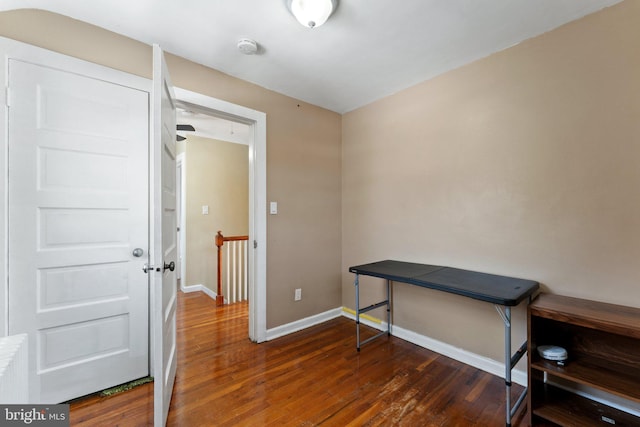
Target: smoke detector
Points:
(247, 46)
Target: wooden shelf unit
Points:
(603, 345)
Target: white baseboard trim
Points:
(199, 288)
(477, 361)
(365, 319)
(301, 324)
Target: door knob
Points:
(137, 252)
(171, 266)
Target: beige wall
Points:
(303, 158)
(525, 163)
(217, 176)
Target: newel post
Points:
(219, 243)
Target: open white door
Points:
(163, 237)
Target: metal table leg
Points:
(388, 307)
(509, 363)
(359, 310)
(356, 284)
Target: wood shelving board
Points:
(608, 379)
(612, 318)
(570, 410)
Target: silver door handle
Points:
(137, 252)
(171, 266)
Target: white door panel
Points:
(163, 281)
(78, 206)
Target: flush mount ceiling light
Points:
(312, 13)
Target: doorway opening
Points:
(247, 128)
(213, 170)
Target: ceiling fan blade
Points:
(186, 127)
(180, 138)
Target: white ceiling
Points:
(368, 49)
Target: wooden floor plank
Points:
(314, 377)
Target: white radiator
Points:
(14, 370)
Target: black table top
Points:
(501, 290)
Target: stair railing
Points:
(236, 269)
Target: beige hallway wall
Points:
(524, 163)
(217, 176)
(303, 157)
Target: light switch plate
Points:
(205, 210)
(273, 208)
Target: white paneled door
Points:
(164, 237)
(78, 208)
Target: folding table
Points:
(503, 292)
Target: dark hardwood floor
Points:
(314, 377)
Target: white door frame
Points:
(257, 198)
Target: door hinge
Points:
(7, 94)
(255, 244)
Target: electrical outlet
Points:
(298, 295)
